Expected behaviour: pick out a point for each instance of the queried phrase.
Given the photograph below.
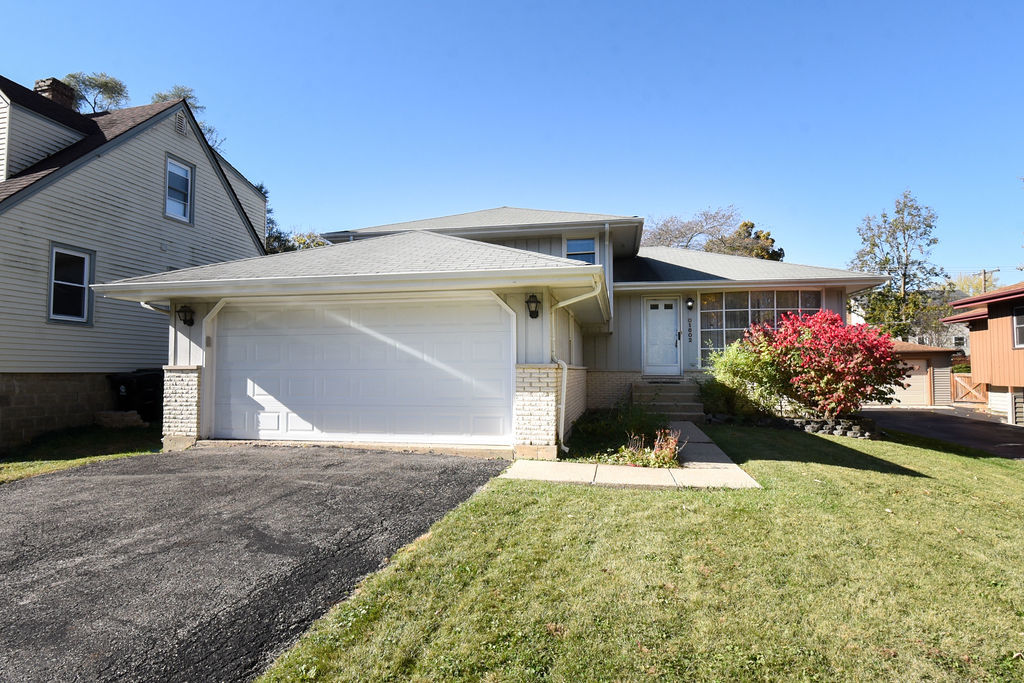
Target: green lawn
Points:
(74, 447)
(858, 560)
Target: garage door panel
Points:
(438, 372)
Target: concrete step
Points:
(666, 390)
(673, 406)
(660, 397)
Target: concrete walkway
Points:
(705, 465)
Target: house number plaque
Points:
(689, 330)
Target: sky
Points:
(807, 116)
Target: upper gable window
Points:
(70, 273)
(179, 190)
(1018, 327)
(581, 250)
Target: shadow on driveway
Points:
(980, 433)
(202, 565)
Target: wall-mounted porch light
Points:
(186, 315)
(689, 303)
(533, 305)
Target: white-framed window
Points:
(959, 342)
(179, 190)
(581, 249)
(725, 316)
(1018, 327)
(70, 277)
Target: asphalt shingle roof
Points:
(669, 264)
(407, 252)
(105, 127)
(503, 216)
(44, 106)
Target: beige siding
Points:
(32, 137)
(835, 300)
(113, 205)
(5, 109)
(254, 204)
(942, 391)
(532, 334)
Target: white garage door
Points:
(424, 372)
(917, 393)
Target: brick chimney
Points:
(58, 91)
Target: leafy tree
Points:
(309, 240)
(813, 361)
(900, 246)
(99, 90)
(746, 241)
(183, 92)
(972, 283)
(277, 240)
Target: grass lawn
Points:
(74, 447)
(858, 560)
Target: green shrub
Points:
(598, 431)
(749, 382)
(962, 368)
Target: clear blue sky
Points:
(806, 115)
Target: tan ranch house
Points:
(494, 328)
(94, 198)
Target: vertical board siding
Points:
(620, 350)
(113, 205)
(942, 389)
(253, 203)
(32, 137)
(531, 333)
(993, 358)
(835, 301)
(550, 245)
(5, 110)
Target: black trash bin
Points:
(141, 391)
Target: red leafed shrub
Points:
(826, 366)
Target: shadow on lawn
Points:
(761, 443)
(83, 442)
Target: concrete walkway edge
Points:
(704, 465)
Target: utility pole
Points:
(984, 278)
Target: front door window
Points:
(661, 348)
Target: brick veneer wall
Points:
(35, 402)
(536, 405)
(605, 388)
(181, 405)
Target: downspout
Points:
(561, 363)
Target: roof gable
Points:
(670, 264)
(500, 217)
(401, 253)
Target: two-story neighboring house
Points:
(93, 198)
(491, 328)
(996, 322)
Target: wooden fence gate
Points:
(967, 391)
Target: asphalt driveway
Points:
(202, 565)
(962, 427)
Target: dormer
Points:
(37, 124)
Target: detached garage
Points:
(410, 338)
(928, 383)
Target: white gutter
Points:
(155, 309)
(561, 363)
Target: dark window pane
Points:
(654, 307)
(68, 300)
(787, 299)
(736, 319)
(762, 299)
(736, 300)
(68, 268)
(711, 301)
(711, 340)
(710, 320)
(810, 300)
(733, 336)
(758, 317)
(1020, 336)
(668, 307)
(586, 258)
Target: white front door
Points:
(420, 372)
(661, 336)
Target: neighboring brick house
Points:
(92, 198)
(494, 328)
(996, 322)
